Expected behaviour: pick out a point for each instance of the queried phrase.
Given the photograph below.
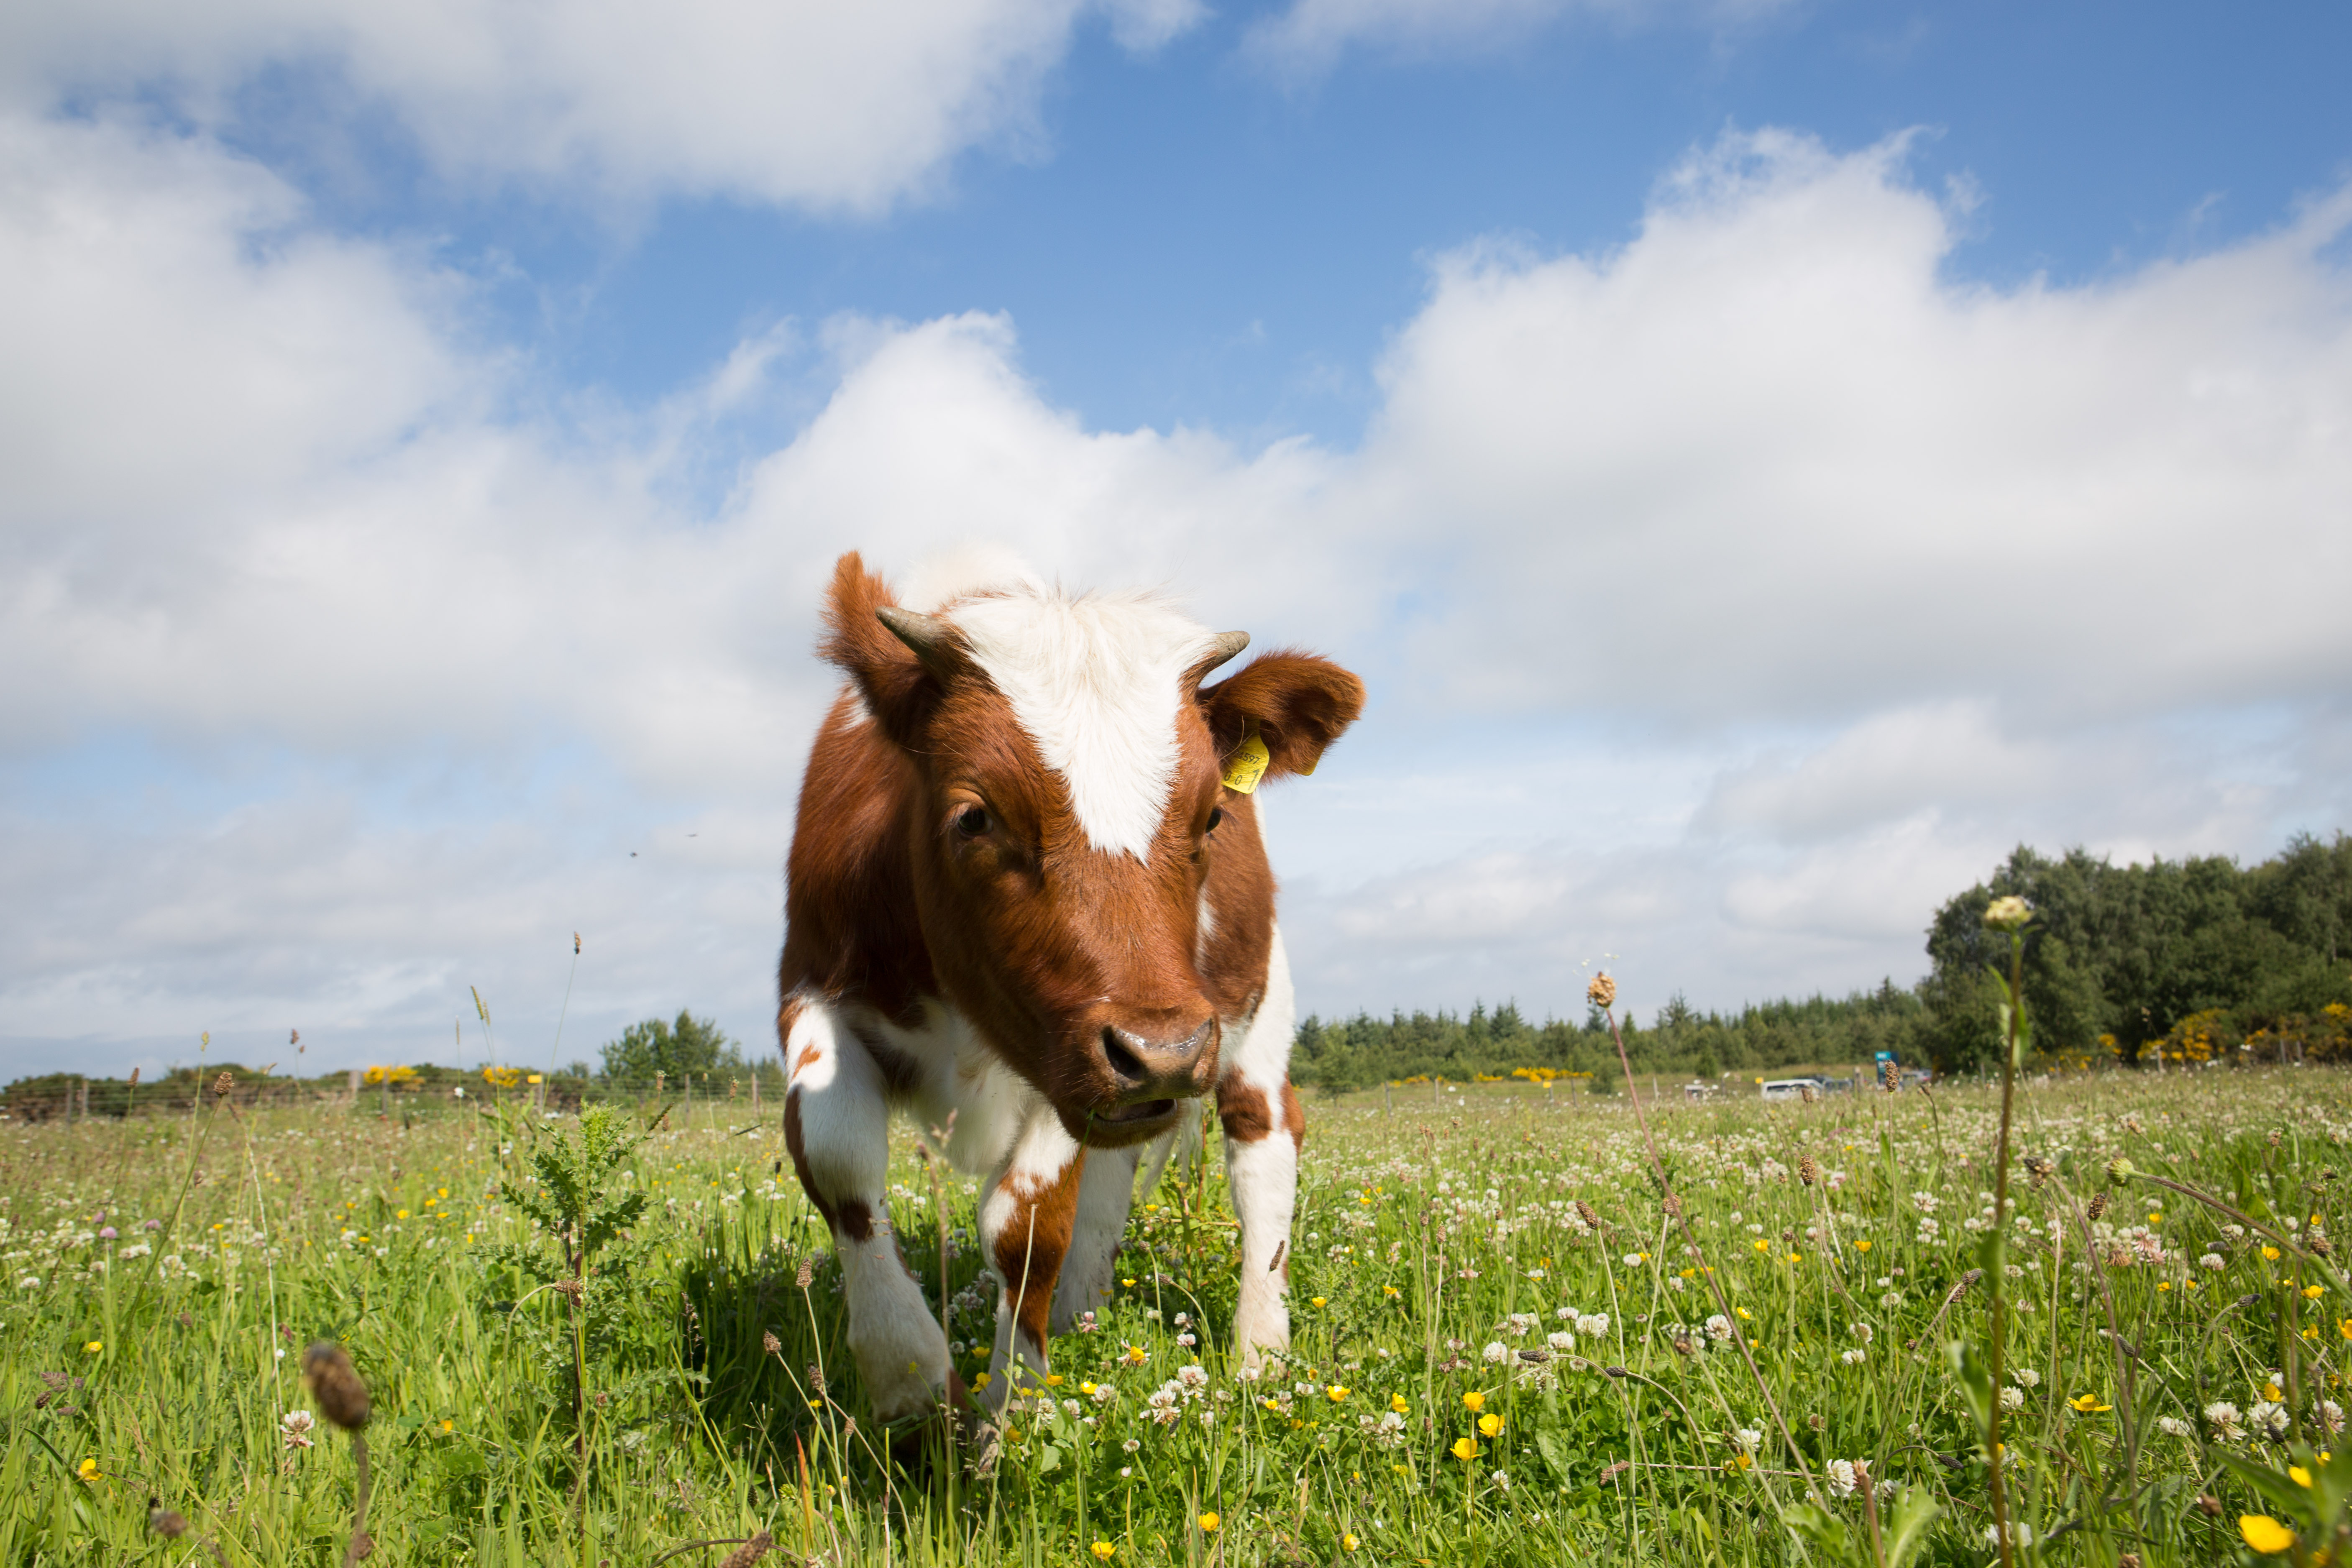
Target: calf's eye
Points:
(1216, 814)
(972, 821)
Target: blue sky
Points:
(1766, 458)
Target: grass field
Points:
(1506, 1351)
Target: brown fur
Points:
(1030, 1249)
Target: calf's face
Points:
(1068, 797)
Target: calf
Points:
(1027, 890)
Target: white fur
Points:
(1264, 1176)
(1095, 681)
(844, 1137)
(1106, 1192)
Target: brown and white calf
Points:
(1027, 887)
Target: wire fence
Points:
(407, 1093)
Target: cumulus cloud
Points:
(1727, 597)
(831, 107)
(1769, 461)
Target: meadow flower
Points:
(2087, 1403)
(1719, 1328)
(1841, 1476)
(2026, 1377)
(1496, 1353)
(2174, 1426)
(2013, 1398)
(1209, 1522)
(2224, 1418)
(2265, 1534)
(1104, 1550)
(1473, 1401)
(1490, 1425)
(1746, 1439)
(1561, 1341)
(1466, 1449)
(2269, 1418)
(2330, 1415)
(1501, 1480)
(295, 1426)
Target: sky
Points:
(1766, 458)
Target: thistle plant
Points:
(580, 1254)
(2009, 915)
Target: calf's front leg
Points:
(1025, 1224)
(837, 1123)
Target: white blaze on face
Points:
(1095, 681)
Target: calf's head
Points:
(1067, 792)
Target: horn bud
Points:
(1221, 646)
(925, 637)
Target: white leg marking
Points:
(837, 1098)
(1106, 1192)
(1264, 1176)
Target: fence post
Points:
(355, 1088)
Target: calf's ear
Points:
(1297, 703)
(901, 661)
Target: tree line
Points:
(2174, 961)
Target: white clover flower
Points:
(294, 1427)
(1841, 1480)
(1854, 1357)
(1592, 1325)
(1892, 1298)
(2211, 1262)
(1633, 1260)
(2027, 1377)
(1130, 1446)
(1070, 1407)
(2330, 1415)
(1561, 1341)
(1746, 1439)
(2269, 1418)
(2224, 1418)
(1501, 1479)
(1495, 1354)
(2013, 1398)
(1719, 1328)
(2174, 1426)
(1860, 1332)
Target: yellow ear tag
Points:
(1247, 765)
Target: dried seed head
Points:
(2038, 1168)
(169, 1523)
(223, 1084)
(805, 1272)
(1817, 1423)
(816, 1380)
(2319, 1244)
(2275, 1137)
(768, 1343)
(2209, 1505)
(1809, 1170)
(342, 1398)
(2097, 1206)
(2326, 1174)
(1585, 1212)
(1603, 991)
(573, 1288)
(1890, 1076)
(2127, 1560)
(1805, 1092)
(759, 1545)
(1673, 1204)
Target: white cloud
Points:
(1768, 460)
(831, 107)
(1726, 598)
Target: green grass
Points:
(1422, 1230)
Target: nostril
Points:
(1123, 1062)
